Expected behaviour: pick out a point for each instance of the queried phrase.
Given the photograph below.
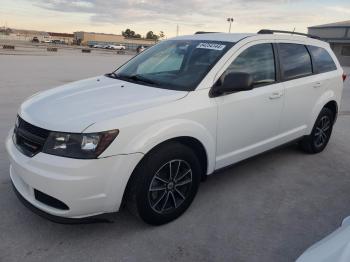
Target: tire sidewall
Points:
(149, 167)
(329, 114)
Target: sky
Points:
(114, 16)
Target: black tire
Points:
(156, 197)
(317, 141)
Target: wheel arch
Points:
(194, 134)
(189, 141)
(328, 100)
(193, 144)
(333, 106)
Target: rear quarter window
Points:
(295, 60)
(323, 62)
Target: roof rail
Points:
(269, 31)
(202, 32)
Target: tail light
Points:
(344, 77)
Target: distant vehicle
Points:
(116, 47)
(58, 42)
(98, 46)
(333, 248)
(140, 49)
(35, 40)
(47, 41)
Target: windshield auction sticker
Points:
(212, 46)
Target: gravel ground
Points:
(268, 208)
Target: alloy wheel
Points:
(322, 131)
(170, 186)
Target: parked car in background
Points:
(140, 49)
(98, 46)
(103, 46)
(58, 42)
(47, 41)
(35, 40)
(149, 132)
(116, 47)
(333, 248)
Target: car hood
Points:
(333, 248)
(75, 106)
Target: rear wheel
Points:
(317, 141)
(164, 184)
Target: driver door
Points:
(248, 121)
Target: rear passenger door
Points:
(302, 89)
(326, 71)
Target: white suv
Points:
(149, 132)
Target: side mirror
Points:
(233, 82)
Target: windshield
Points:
(174, 64)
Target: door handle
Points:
(275, 95)
(317, 85)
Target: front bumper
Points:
(87, 187)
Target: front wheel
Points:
(317, 141)
(164, 184)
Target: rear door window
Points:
(323, 62)
(295, 61)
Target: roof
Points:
(96, 33)
(60, 34)
(31, 32)
(226, 37)
(333, 25)
(139, 39)
(234, 37)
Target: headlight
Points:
(83, 146)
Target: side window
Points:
(258, 61)
(295, 60)
(322, 60)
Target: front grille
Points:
(28, 138)
(49, 200)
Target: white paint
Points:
(333, 248)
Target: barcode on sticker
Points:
(212, 46)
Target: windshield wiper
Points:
(133, 78)
(140, 78)
(112, 75)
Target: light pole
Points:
(230, 20)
